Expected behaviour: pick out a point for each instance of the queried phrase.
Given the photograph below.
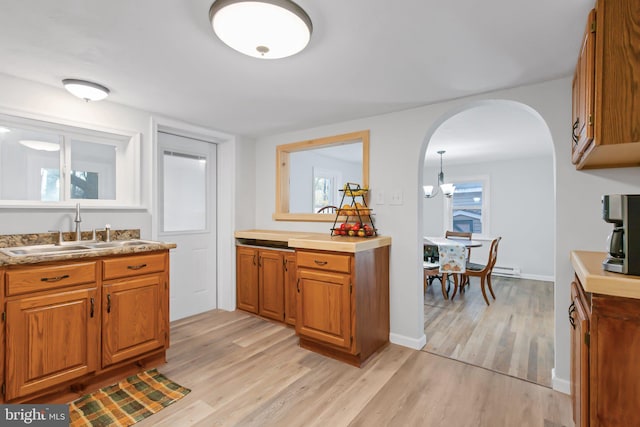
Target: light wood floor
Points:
(513, 335)
(246, 371)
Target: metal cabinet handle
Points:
(108, 303)
(254, 259)
(572, 308)
(575, 137)
(298, 285)
(320, 262)
(136, 267)
(92, 307)
(54, 279)
(284, 264)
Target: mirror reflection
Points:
(311, 173)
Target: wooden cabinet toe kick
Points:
(356, 360)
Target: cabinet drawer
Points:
(133, 266)
(324, 261)
(33, 279)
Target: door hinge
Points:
(4, 389)
(593, 26)
(587, 338)
(4, 316)
(350, 288)
(590, 120)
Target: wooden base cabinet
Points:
(343, 302)
(605, 359)
(72, 325)
(263, 281)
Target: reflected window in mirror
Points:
(44, 164)
(310, 174)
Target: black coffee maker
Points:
(623, 211)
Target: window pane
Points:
(93, 170)
(184, 192)
(24, 156)
(467, 207)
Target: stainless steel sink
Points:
(43, 249)
(69, 247)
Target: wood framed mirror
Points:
(309, 174)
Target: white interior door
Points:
(187, 217)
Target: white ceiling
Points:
(365, 57)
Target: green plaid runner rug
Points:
(126, 402)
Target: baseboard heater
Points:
(506, 271)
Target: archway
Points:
(516, 178)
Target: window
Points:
(467, 209)
(325, 188)
(43, 163)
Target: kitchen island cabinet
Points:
(338, 288)
(606, 88)
(605, 344)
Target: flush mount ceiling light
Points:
(4, 129)
(40, 145)
(267, 29)
(447, 189)
(88, 91)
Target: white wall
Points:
(526, 223)
(398, 146)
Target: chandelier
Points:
(447, 189)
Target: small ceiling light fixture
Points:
(447, 189)
(83, 89)
(40, 145)
(267, 29)
(4, 129)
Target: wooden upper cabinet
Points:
(608, 84)
(133, 320)
(54, 338)
(583, 93)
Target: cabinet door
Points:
(290, 292)
(54, 338)
(133, 317)
(579, 357)
(584, 93)
(324, 307)
(247, 279)
(271, 281)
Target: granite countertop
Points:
(318, 241)
(588, 268)
(16, 240)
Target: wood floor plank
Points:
(513, 335)
(270, 381)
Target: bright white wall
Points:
(525, 224)
(398, 146)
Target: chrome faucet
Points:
(78, 220)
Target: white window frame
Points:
(336, 179)
(486, 197)
(128, 178)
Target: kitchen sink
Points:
(71, 247)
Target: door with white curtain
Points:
(187, 217)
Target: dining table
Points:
(452, 254)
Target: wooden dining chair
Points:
(431, 273)
(327, 209)
(460, 235)
(480, 270)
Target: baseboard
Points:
(559, 384)
(414, 343)
(540, 277)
